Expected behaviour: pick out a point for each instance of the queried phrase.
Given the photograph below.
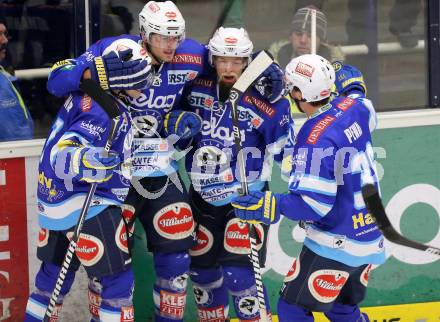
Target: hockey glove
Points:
(258, 207)
(183, 124)
(348, 79)
(89, 164)
(115, 72)
(271, 83)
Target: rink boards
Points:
(409, 157)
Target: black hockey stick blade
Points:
(376, 209)
(91, 88)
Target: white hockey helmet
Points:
(313, 75)
(162, 18)
(230, 42)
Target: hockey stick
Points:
(92, 89)
(377, 210)
(250, 74)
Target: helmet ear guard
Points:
(230, 42)
(313, 75)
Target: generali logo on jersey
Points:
(174, 221)
(262, 106)
(86, 103)
(187, 59)
(319, 127)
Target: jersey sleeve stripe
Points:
(317, 185)
(320, 208)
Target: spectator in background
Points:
(16, 122)
(300, 39)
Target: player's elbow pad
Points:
(65, 79)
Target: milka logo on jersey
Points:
(180, 76)
(201, 100)
(304, 70)
(159, 102)
(187, 59)
(353, 132)
(94, 130)
(220, 132)
(319, 128)
(262, 106)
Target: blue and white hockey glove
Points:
(89, 164)
(258, 207)
(119, 73)
(271, 83)
(182, 123)
(349, 80)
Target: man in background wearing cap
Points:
(300, 42)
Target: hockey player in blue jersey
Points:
(73, 157)
(333, 159)
(219, 262)
(157, 192)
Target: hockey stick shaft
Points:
(97, 94)
(375, 207)
(257, 66)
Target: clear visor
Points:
(165, 42)
(227, 62)
(288, 86)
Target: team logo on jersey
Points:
(157, 81)
(236, 239)
(174, 221)
(179, 283)
(326, 284)
(145, 126)
(247, 305)
(86, 103)
(212, 314)
(89, 249)
(365, 275)
(319, 128)
(121, 236)
(210, 156)
(293, 271)
(304, 69)
(202, 296)
(43, 237)
(205, 240)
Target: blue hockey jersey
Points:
(333, 159)
(153, 155)
(212, 161)
(80, 121)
